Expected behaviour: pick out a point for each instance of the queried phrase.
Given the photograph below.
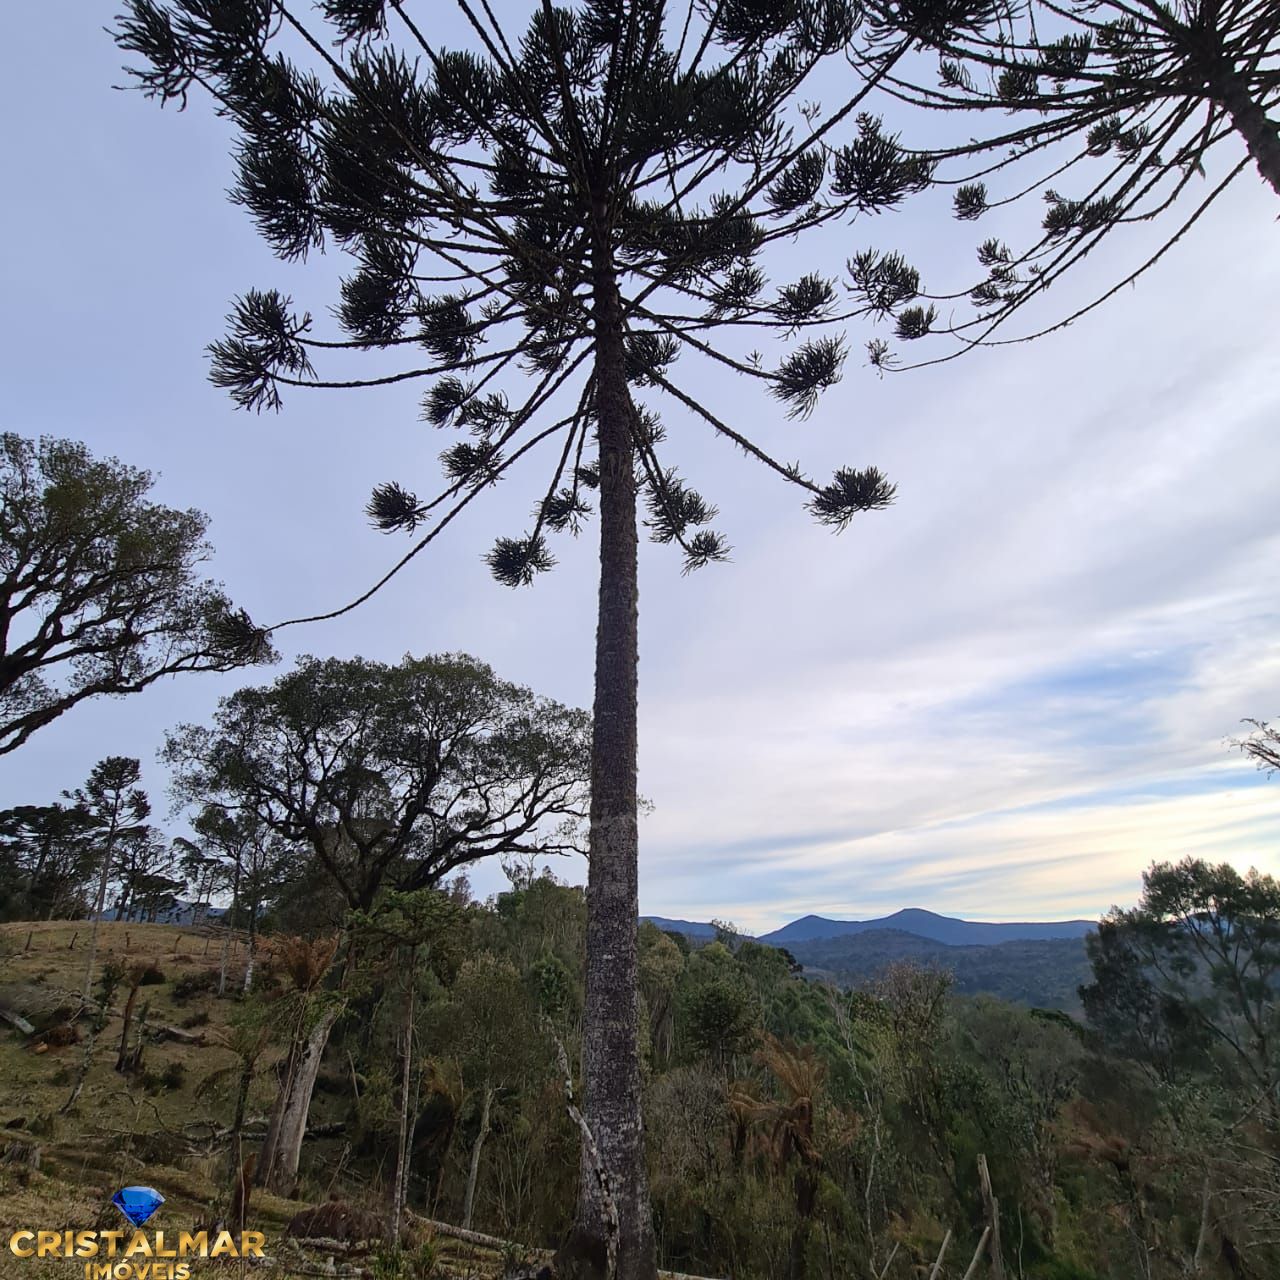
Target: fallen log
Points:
(326, 1245)
(494, 1242)
(210, 1131)
(16, 1020)
(177, 1033)
(471, 1237)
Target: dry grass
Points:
(41, 970)
(120, 1131)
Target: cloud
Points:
(1074, 603)
(1005, 695)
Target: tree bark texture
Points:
(282, 1150)
(1261, 134)
(124, 1062)
(610, 1051)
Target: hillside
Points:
(925, 1087)
(1043, 974)
(153, 1129)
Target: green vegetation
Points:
(792, 1128)
(1047, 974)
(559, 216)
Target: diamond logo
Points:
(137, 1203)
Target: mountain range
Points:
(1037, 963)
(948, 930)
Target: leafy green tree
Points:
(411, 923)
(201, 872)
(545, 918)
(47, 856)
(585, 202)
(119, 809)
(241, 854)
(1207, 940)
(99, 592)
(1125, 106)
(913, 1007)
(661, 964)
(395, 775)
(145, 883)
(1036, 1066)
(494, 1035)
(719, 1011)
(1134, 1018)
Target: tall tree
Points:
(202, 875)
(492, 1033)
(394, 777)
(585, 202)
(99, 587)
(119, 809)
(144, 880)
(248, 860)
(417, 923)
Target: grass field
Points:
(58, 1170)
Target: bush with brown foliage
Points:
(336, 1220)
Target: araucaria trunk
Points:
(1261, 134)
(610, 1050)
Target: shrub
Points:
(198, 982)
(336, 1220)
(112, 975)
(173, 1076)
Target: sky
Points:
(1002, 698)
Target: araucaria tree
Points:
(118, 808)
(47, 858)
(1105, 115)
(541, 226)
(99, 587)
